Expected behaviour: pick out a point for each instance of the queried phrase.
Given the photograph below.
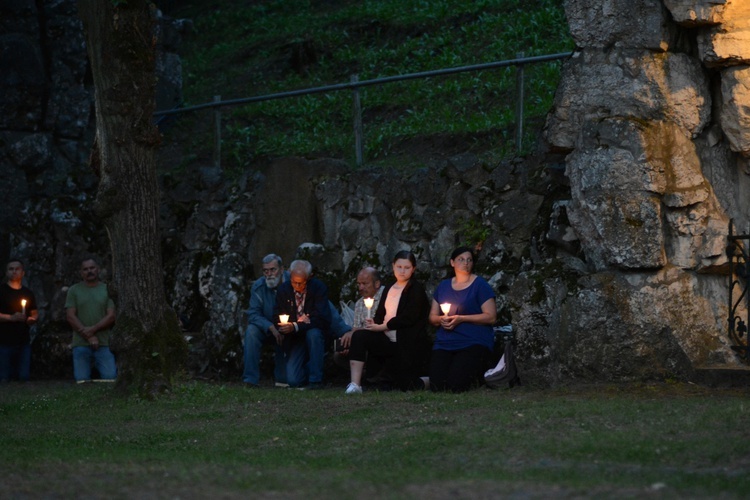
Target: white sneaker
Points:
(353, 388)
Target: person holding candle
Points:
(370, 291)
(368, 287)
(397, 332)
(463, 309)
(91, 313)
(18, 312)
(305, 299)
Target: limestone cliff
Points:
(652, 118)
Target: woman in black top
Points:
(398, 332)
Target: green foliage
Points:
(242, 50)
(209, 441)
(473, 232)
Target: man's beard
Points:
(273, 282)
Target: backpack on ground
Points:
(506, 371)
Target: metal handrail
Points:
(355, 85)
(365, 83)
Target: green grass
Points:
(208, 440)
(243, 49)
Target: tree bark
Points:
(121, 41)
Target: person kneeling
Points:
(398, 331)
(465, 338)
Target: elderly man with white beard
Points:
(262, 321)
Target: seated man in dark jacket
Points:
(305, 300)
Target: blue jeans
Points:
(295, 364)
(254, 340)
(15, 362)
(303, 358)
(103, 359)
(316, 349)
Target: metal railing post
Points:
(519, 102)
(358, 129)
(217, 132)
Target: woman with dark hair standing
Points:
(465, 338)
(398, 332)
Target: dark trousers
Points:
(397, 363)
(366, 342)
(458, 371)
(15, 362)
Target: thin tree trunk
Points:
(121, 45)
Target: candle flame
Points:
(446, 307)
(23, 303)
(283, 318)
(369, 301)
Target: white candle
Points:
(283, 319)
(23, 307)
(369, 301)
(446, 308)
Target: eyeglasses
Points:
(462, 260)
(270, 270)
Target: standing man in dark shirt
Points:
(18, 311)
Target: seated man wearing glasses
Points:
(304, 302)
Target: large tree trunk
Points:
(121, 43)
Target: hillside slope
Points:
(241, 49)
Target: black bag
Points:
(505, 372)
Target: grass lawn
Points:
(225, 441)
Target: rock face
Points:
(654, 132)
(615, 270)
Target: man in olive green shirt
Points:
(91, 313)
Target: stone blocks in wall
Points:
(735, 113)
(696, 12)
(620, 230)
(729, 42)
(640, 199)
(628, 83)
(667, 322)
(638, 24)
(613, 326)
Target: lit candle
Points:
(23, 307)
(283, 318)
(369, 301)
(446, 308)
